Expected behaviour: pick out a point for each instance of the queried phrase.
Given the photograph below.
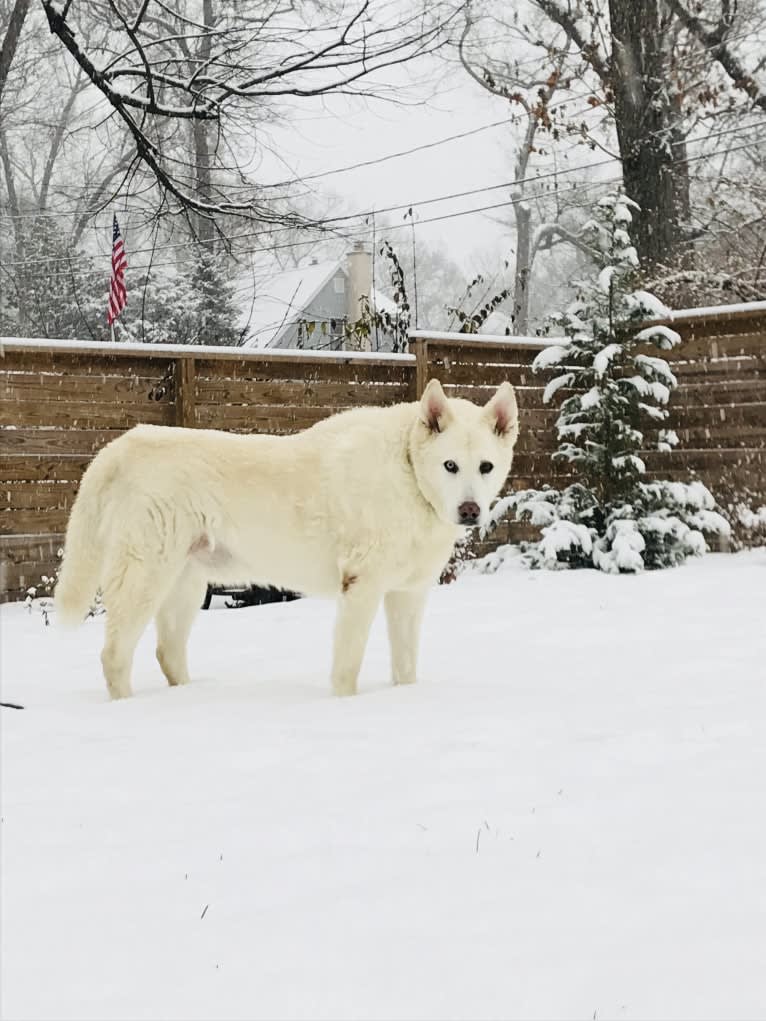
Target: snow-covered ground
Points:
(564, 819)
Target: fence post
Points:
(421, 365)
(185, 376)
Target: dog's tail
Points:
(80, 572)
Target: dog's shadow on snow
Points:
(260, 689)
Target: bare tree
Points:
(531, 87)
(167, 61)
(55, 172)
(657, 71)
(16, 19)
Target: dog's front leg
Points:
(356, 609)
(404, 615)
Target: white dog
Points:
(364, 506)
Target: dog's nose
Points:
(469, 512)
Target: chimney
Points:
(359, 280)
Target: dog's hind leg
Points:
(174, 620)
(357, 606)
(404, 615)
(134, 589)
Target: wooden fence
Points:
(61, 402)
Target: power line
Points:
(601, 184)
(385, 159)
(354, 230)
(308, 177)
(325, 225)
(319, 224)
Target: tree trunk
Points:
(19, 248)
(651, 145)
(11, 40)
(201, 139)
(523, 269)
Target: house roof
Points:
(283, 298)
(383, 303)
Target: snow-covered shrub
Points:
(44, 604)
(614, 391)
(748, 517)
(462, 556)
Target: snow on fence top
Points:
(536, 343)
(743, 310)
(197, 350)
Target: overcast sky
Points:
(343, 132)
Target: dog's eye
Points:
(486, 467)
(451, 467)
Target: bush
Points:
(613, 519)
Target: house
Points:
(310, 307)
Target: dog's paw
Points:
(343, 686)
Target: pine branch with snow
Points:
(613, 519)
(619, 388)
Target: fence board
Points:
(36, 495)
(441, 360)
(23, 561)
(55, 441)
(268, 419)
(23, 521)
(356, 372)
(110, 363)
(732, 369)
(474, 374)
(317, 393)
(84, 414)
(720, 346)
(702, 459)
(44, 387)
(19, 549)
(726, 324)
(714, 393)
(15, 468)
(716, 416)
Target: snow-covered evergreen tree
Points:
(612, 518)
(214, 312)
(188, 304)
(54, 292)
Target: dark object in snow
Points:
(248, 595)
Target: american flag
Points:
(118, 296)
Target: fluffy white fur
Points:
(359, 507)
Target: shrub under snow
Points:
(613, 519)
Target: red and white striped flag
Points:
(118, 296)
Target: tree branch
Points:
(550, 234)
(60, 28)
(589, 50)
(715, 42)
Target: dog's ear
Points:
(434, 407)
(503, 412)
